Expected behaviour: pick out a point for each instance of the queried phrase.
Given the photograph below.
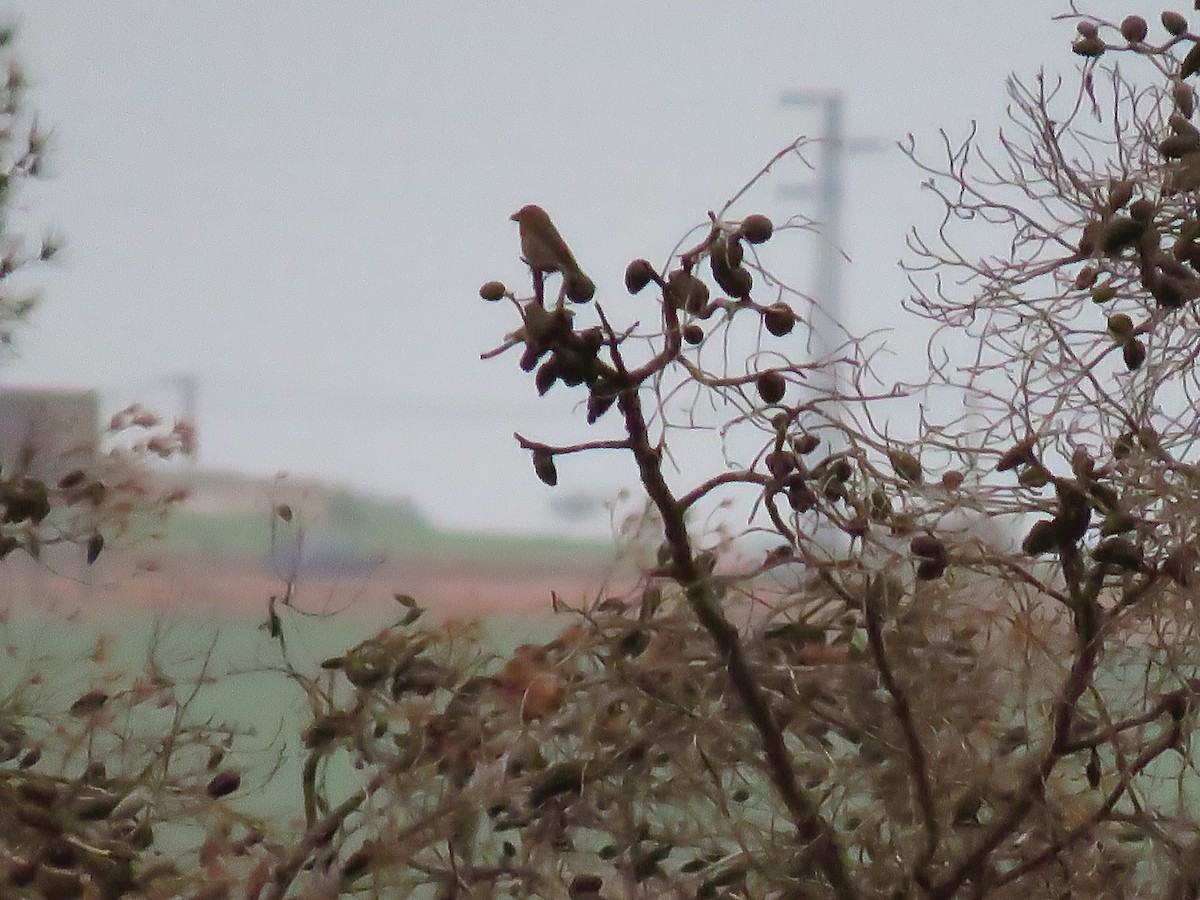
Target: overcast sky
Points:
(297, 202)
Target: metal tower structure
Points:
(832, 148)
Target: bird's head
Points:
(529, 212)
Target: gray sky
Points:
(297, 202)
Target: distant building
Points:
(46, 432)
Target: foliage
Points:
(893, 699)
(44, 500)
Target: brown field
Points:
(124, 582)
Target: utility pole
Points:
(832, 148)
(189, 393)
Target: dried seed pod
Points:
(1167, 265)
(771, 386)
(1179, 145)
(1043, 537)
(638, 274)
(544, 468)
(223, 783)
(927, 546)
(693, 334)
(1092, 769)
(1181, 126)
(95, 492)
(1034, 476)
(95, 807)
(1104, 498)
(756, 228)
(585, 887)
(24, 499)
(733, 280)
(718, 257)
(544, 326)
(686, 291)
(578, 287)
(779, 319)
(39, 793)
(906, 466)
(800, 496)
(801, 478)
(1134, 29)
(678, 287)
(1142, 210)
(1074, 511)
(1085, 278)
(1185, 250)
(1120, 233)
(89, 703)
(739, 284)
(1191, 63)
(929, 569)
(856, 527)
(72, 479)
(1086, 29)
(734, 252)
(1090, 47)
(1170, 293)
(573, 368)
(1102, 293)
(1089, 238)
(952, 480)
(58, 883)
(841, 470)
(1120, 552)
(1117, 523)
(598, 404)
(591, 340)
(1018, 455)
(805, 443)
(1184, 97)
(21, 872)
(1123, 445)
(493, 291)
(1120, 326)
(561, 778)
(1082, 464)
(780, 463)
(1175, 23)
(530, 356)
(1134, 354)
(1173, 292)
(1120, 192)
(547, 374)
(1176, 703)
(357, 864)
(1180, 566)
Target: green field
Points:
(352, 527)
(228, 672)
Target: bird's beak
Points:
(515, 217)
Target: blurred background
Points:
(276, 218)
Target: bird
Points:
(544, 251)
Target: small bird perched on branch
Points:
(544, 250)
